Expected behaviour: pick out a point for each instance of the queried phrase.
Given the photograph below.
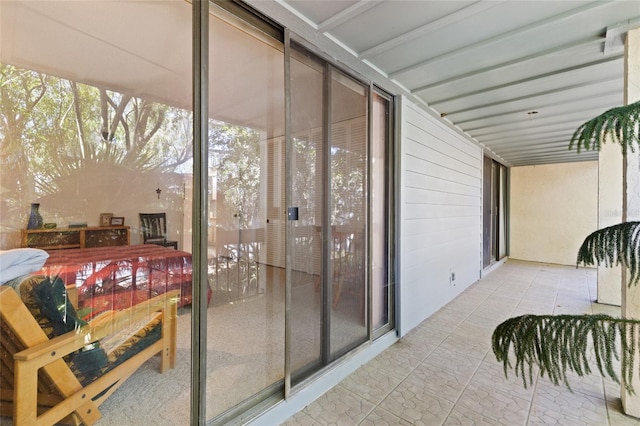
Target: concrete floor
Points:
(444, 372)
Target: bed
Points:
(115, 278)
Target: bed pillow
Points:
(17, 262)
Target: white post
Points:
(631, 295)
(609, 213)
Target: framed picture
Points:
(105, 219)
(117, 221)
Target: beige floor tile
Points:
(416, 405)
(381, 417)
(459, 363)
(339, 407)
(438, 381)
(473, 348)
(491, 373)
(492, 313)
(551, 403)
(461, 416)
(494, 404)
(394, 360)
(489, 323)
(474, 331)
(371, 383)
(589, 384)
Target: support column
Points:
(609, 213)
(631, 184)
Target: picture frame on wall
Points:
(105, 219)
(117, 221)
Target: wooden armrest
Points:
(102, 326)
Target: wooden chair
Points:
(154, 229)
(39, 384)
(349, 266)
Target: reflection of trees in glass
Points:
(63, 137)
(235, 155)
(304, 181)
(347, 187)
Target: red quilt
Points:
(117, 277)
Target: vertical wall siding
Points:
(441, 214)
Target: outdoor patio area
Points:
(444, 372)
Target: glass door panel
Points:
(381, 288)
(502, 213)
(305, 234)
(245, 318)
(348, 213)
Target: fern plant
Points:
(561, 343)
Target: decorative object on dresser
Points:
(35, 219)
(105, 219)
(116, 221)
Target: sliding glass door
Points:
(495, 202)
(327, 213)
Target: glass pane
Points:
(246, 216)
(494, 210)
(348, 165)
(96, 128)
(381, 290)
(305, 236)
(502, 220)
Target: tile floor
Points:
(443, 372)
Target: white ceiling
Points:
(485, 65)
(482, 65)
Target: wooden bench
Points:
(39, 379)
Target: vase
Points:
(35, 219)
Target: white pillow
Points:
(22, 261)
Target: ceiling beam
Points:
(529, 130)
(559, 161)
(563, 137)
(568, 154)
(507, 64)
(553, 105)
(526, 137)
(530, 96)
(423, 30)
(537, 78)
(557, 144)
(539, 121)
(347, 14)
(500, 37)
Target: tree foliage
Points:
(620, 124)
(561, 343)
(235, 157)
(53, 131)
(614, 245)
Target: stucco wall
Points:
(553, 208)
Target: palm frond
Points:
(621, 123)
(561, 343)
(614, 245)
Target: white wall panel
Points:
(441, 214)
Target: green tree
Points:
(561, 343)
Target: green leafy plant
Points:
(561, 343)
